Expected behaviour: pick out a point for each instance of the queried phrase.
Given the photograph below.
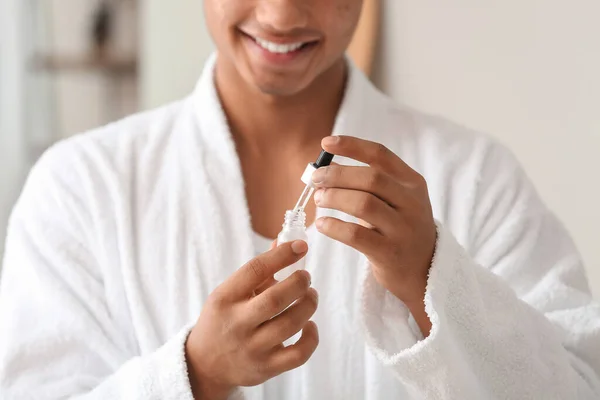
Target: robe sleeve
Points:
(57, 337)
(512, 313)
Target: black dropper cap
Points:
(324, 160)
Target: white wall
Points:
(36, 110)
(11, 85)
(175, 45)
(85, 99)
(526, 71)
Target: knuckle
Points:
(420, 181)
(366, 205)
(333, 226)
(380, 151)
(253, 348)
(314, 341)
(288, 327)
(375, 179)
(258, 268)
(272, 303)
(333, 173)
(326, 224)
(236, 325)
(355, 233)
(417, 182)
(301, 355)
(313, 298)
(327, 196)
(301, 280)
(311, 303)
(259, 371)
(217, 299)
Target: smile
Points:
(281, 52)
(278, 48)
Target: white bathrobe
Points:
(122, 233)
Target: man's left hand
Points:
(399, 233)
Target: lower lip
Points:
(280, 58)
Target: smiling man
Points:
(139, 262)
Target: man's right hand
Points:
(238, 339)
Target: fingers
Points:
(296, 355)
(362, 205)
(371, 153)
(365, 240)
(278, 297)
(248, 278)
(265, 285)
(365, 179)
(286, 324)
(271, 281)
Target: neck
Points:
(260, 121)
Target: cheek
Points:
(221, 9)
(223, 15)
(342, 21)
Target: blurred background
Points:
(524, 71)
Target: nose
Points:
(282, 16)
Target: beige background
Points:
(175, 45)
(525, 71)
(36, 111)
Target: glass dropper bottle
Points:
(294, 226)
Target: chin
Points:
(279, 90)
(283, 86)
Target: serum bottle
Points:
(294, 226)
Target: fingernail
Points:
(318, 196)
(319, 175)
(330, 140)
(299, 247)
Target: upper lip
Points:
(282, 39)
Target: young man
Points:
(127, 272)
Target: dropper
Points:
(324, 160)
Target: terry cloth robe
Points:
(121, 234)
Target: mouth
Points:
(278, 51)
(281, 48)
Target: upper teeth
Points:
(276, 47)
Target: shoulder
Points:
(81, 168)
(111, 146)
(135, 132)
(470, 174)
(460, 150)
(431, 143)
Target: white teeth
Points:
(276, 47)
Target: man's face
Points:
(282, 46)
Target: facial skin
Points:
(325, 27)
